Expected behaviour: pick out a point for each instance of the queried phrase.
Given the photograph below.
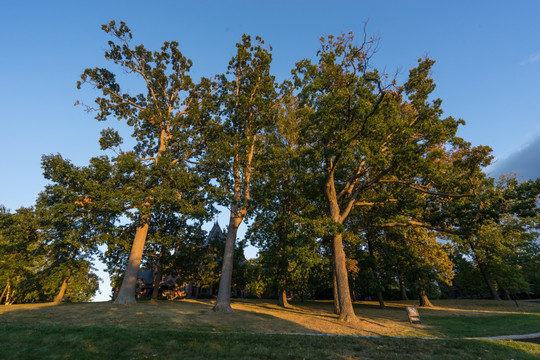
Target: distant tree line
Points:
(353, 185)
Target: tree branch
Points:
(411, 223)
(424, 190)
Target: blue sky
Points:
(487, 70)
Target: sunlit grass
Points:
(261, 329)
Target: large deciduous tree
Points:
(366, 134)
(246, 99)
(166, 124)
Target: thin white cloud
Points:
(531, 59)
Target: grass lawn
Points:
(262, 330)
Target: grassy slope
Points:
(169, 330)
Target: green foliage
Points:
(288, 223)
(245, 109)
(468, 278)
(341, 151)
(497, 229)
(156, 180)
(20, 256)
(41, 247)
(381, 147)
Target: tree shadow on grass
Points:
(170, 330)
(295, 308)
(177, 315)
(249, 316)
(263, 316)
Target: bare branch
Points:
(350, 183)
(126, 101)
(140, 70)
(367, 203)
(412, 223)
(424, 189)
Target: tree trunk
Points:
(344, 295)
(485, 273)
(126, 295)
(157, 280)
(9, 294)
(424, 300)
(346, 311)
(376, 273)
(10, 299)
(402, 288)
(487, 279)
(381, 300)
(282, 299)
(60, 296)
(6, 288)
(336, 296)
(223, 302)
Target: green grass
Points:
(495, 325)
(261, 330)
(68, 342)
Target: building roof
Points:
(215, 232)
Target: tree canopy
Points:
(353, 184)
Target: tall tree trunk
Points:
(241, 187)
(10, 299)
(6, 291)
(223, 302)
(381, 299)
(60, 296)
(159, 273)
(336, 295)
(282, 299)
(342, 281)
(487, 279)
(9, 294)
(376, 273)
(157, 280)
(402, 288)
(345, 304)
(126, 294)
(485, 273)
(424, 300)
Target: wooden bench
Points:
(414, 316)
